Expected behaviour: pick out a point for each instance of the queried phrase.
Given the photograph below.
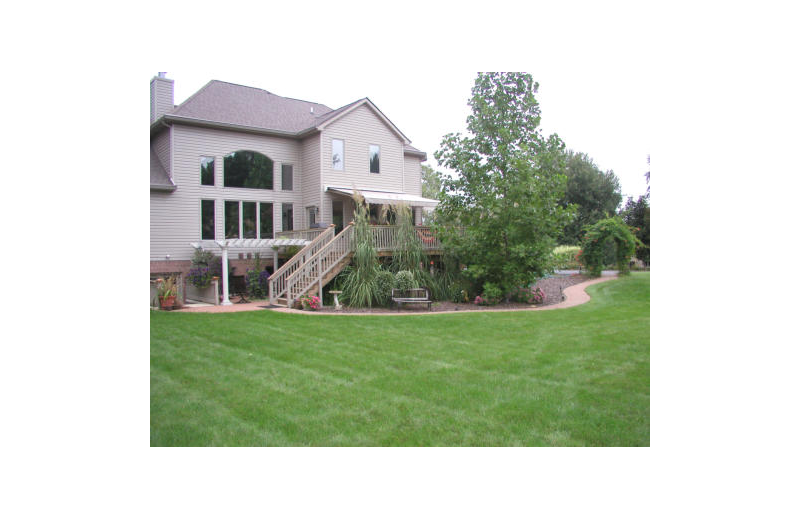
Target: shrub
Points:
(384, 281)
(404, 280)
(257, 283)
(204, 266)
(200, 277)
(312, 303)
(202, 258)
(528, 295)
(257, 280)
(492, 294)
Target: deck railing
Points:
(385, 238)
(277, 282)
(304, 234)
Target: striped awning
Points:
(387, 197)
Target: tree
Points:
(596, 194)
(636, 214)
(431, 182)
(500, 213)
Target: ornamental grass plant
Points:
(359, 286)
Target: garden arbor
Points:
(610, 230)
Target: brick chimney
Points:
(162, 96)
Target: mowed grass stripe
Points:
(576, 376)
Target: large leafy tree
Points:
(501, 214)
(596, 194)
(431, 182)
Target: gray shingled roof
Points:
(232, 104)
(229, 103)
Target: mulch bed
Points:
(553, 288)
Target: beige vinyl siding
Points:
(311, 177)
(175, 217)
(413, 175)
(161, 146)
(359, 129)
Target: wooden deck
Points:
(327, 254)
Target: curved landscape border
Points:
(573, 295)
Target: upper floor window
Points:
(207, 171)
(374, 158)
(248, 169)
(337, 154)
(287, 177)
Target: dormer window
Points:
(337, 154)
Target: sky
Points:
(605, 119)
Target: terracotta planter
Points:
(166, 303)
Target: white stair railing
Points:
(303, 279)
(278, 280)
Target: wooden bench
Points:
(418, 295)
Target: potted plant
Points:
(167, 291)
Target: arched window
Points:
(248, 169)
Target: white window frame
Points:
(241, 217)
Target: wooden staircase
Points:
(312, 268)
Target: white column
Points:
(225, 287)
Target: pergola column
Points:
(225, 288)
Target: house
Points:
(241, 166)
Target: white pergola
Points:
(245, 244)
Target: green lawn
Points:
(571, 377)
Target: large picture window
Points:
(248, 169)
(245, 219)
(374, 158)
(207, 220)
(337, 154)
(207, 171)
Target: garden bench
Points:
(418, 295)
